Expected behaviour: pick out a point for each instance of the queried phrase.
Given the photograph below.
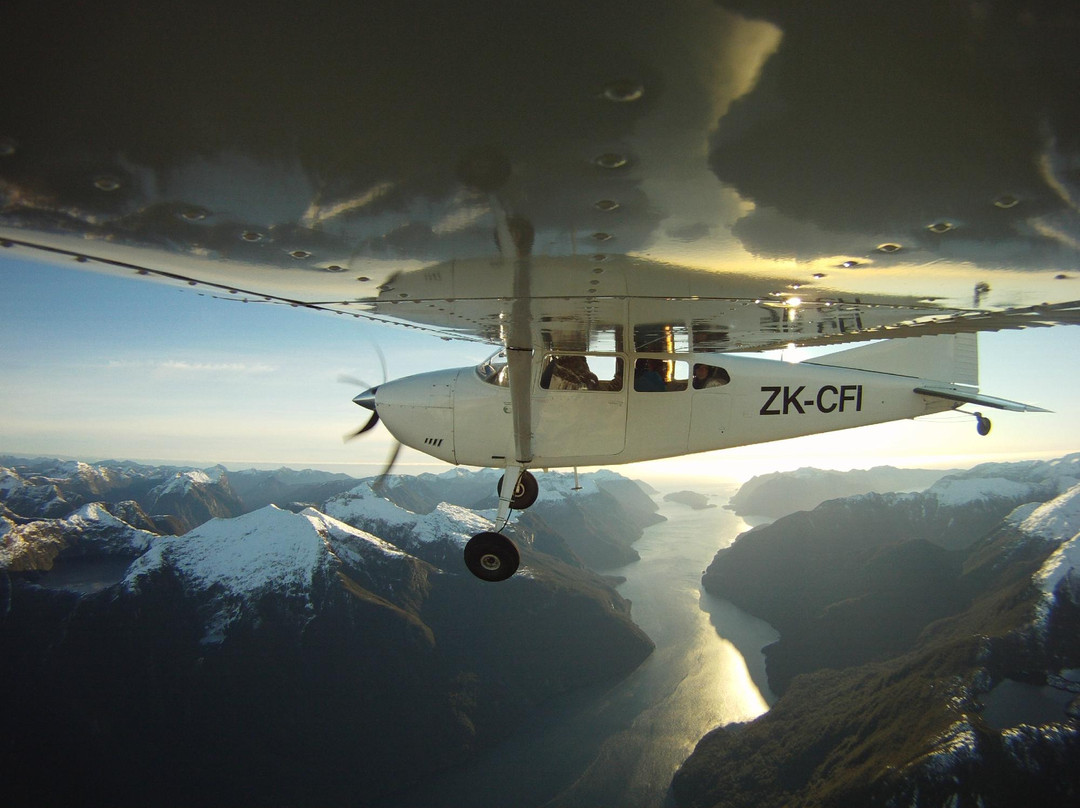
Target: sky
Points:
(97, 367)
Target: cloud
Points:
(187, 366)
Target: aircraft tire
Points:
(525, 493)
(982, 425)
(491, 556)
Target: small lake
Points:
(1012, 703)
(86, 575)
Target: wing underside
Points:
(719, 169)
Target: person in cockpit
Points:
(709, 376)
(568, 373)
(647, 378)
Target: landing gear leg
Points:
(982, 424)
(508, 487)
(491, 556)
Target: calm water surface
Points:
(619, 745)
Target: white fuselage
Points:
(458, 417)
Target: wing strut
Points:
(515, 238)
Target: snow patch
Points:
(556, 487)
(269, 547)
(235, 560)
(958, 744)
(1057, 519)
(94, 515)
(961, 491)
(447, 522)
(9, 481)
(351, 540)
(242, 555)
(1020, 513)
(363, 504)
(452, 523)
(1022, 741)
(1060, 567)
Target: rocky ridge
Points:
(780, 493)
(901, 617)
(283, 658)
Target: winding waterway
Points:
(619, 745)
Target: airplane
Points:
(597, 408)
(616, 195)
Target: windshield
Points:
(493, 370)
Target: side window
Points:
(653, 375)
(576, 372)
(709, 376)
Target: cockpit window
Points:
(493, 370)
(577, 372)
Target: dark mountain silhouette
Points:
(901, 617)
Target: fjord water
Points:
(620, 744)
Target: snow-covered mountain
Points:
(33, 497)
(194, 496)
(226, 660)
(593, 522)
(91, 531)
(183, 498)
(231, 565)
(1029, 481)
(177, 499)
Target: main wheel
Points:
(491, 556)
(525, 492)
(982, 424)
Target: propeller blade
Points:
(389, 465)
(371, 422)
(382, 361)
(356, 381)
(352, 381)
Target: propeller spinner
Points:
(366, 400)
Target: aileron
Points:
(953, 394)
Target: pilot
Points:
(569, 373)
(647, 378)
(709, 376)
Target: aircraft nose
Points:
(366, 399)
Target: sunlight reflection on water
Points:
(620, 744)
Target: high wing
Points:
(767, 172)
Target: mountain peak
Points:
(240, 555)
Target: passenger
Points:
(709, 376)
(647, 378)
